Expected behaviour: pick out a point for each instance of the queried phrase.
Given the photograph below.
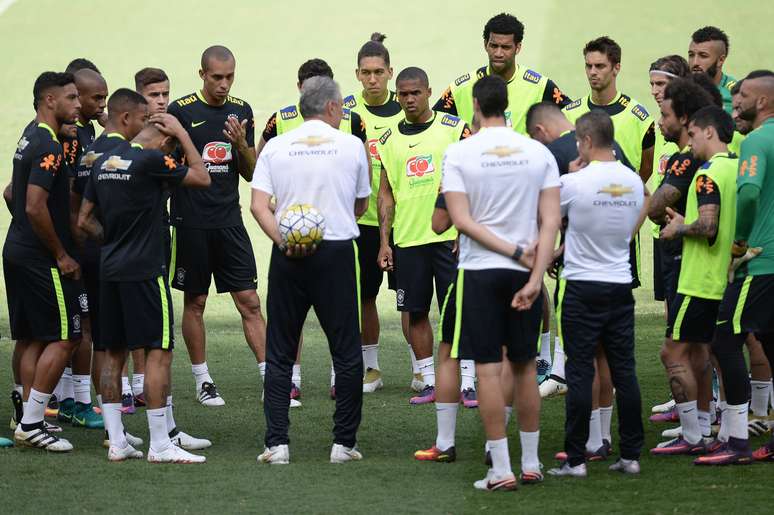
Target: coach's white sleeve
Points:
(363, 187)
(551, 179)
(452, 174)
(262, 174)
(568, 192)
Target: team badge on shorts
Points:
(83, 300)
(77, 322)
(180, 275)
(401, 297)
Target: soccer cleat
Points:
(552, 387)
(728, 454)
(758, 427)
(625, 466)
(662, 408)
(372, 380)
(84, 416)
(469, 398)
(208, 395)
(40, 438)
(174, 454)
(277, 455)
(52, 408)
(426, 396)
(675, 432)
(666, 417)
(600, 454)
(66, 408)
(714, 445)
(493, 483)
(52, 428)
(188, 442)
(127, 404)
(5, 442)
(18, 409)
(543, 370)
(530, 477)
(342, 454)
(678, 446)
(567, 471)
(435, 454)
(295, 391)
(131, 440)
(127, 453)
(765, 453)
(417, 383)
(295, 403)
(139, 400)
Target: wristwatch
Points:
(516, 256)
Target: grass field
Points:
(270, 40)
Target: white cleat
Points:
(372, 380)
(417, 383)
(277, 455)
(208, 395)
(663, 408)
(758, 426)
(174, 454)
(52, 428)
(553, 387)
(675, 432)
(626, 466)
(567, 471)
(41, 439)
(190, 443)
(341, 454)
(492, 483)
(127, 453)
(295, 403)
(130, 439)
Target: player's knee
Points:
(419, 317)
(195, 304)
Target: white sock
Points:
(414, 366)
(446, 418)
(18, 388)
(169, 415)
(82, 389)
(595, 432)
(605, 419)
(501, 460)
(99, 400)
(704, 423)
(371, 356)
(125, 388)
(24, 410)
(67, 384)
(138, 381)
(771, 389)
(296, 376)
(557, 367)
(689, 420)
(713, 412)
(737, 419)
(759, 400)
(508, 415)
(201, 374)
(111, 414)
(529, 451)
(468, 374)
(427, 370)
(57, 390)
(545, 346)
(333, 377)
(157, 423)
(262, 370)
(724, 422)
(35, 409)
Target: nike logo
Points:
(380, 128)
(761, 387)
(721, 322)
(196, 124)
(39, 402)
(414, 145)
(688, 410)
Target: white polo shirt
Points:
(318, 165)
(602, 203)
(502, 173)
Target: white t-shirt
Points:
(502, 173)
(318, 165)
(602, 203)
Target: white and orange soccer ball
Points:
(302, 224)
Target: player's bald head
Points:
(761, 82)
(218, 53)
(89, 79)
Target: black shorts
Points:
(43, 305)
(90, 271)
(137, 314)
(746, 305)
(487, 322)
(417, 268)
(658, 277)
(692, 319)
(226, 253)
(371, 276)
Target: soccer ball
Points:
(302, 224)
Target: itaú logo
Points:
(217, 152)
(420, 165)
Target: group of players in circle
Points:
(89, 258)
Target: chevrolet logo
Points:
(313, 141)
(89, 157)
(501, 151)
(615, 190)
(114, 163)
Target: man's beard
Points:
(749, 114)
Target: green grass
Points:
(270, 40)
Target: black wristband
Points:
(516, 256)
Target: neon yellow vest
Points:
(415, 177)
(704, 269)
(290, 118)
(735, 147)
(525, 88)
(662, 151)
(630, 125)
(375, 127)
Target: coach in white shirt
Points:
(605, 206)
(502, 192)
(319, 165)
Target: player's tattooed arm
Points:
(706, 226)
(87, 222)
(665, 196)
(385, 202)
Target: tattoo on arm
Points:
(707, 224)
(665, 196)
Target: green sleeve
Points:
(746, 207)
(752, 161)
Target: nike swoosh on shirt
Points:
(380, 128)
(414, 145)
(196, 124)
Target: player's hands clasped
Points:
(68, 267)
(674, 221)
(300, 251)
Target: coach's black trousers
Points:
(327, 282)
(594, 313)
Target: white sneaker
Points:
(493, 482)
(675, 432)
(417, 383)
(372, 380)
(277, 455)
(190, 443)
(130, 439)
(127, 453)
(341, 454)
(174, 454)
(567, 470)
(663, 408)
(208, 395)
(52, 428)
(758, 426)
(552, 387)
(41, 439)
(625, 466)
(295, 403)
